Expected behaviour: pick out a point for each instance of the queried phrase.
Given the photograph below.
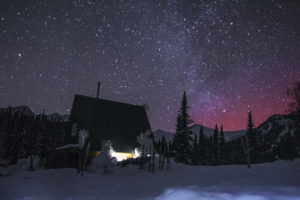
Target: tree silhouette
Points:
(182, 138)
(252, 138)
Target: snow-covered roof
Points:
(67, 146)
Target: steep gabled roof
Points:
(104, 119)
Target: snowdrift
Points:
(268, 181)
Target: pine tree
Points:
(182, 138)
(209, 150)
(168, 150)
(161, 147)
(222, 146)
(202, 147)
(216, 151)
(216, 136)
(163, 143)
(252, 138)
(201, 135)
(158, 146)
(250, 127)
(195, 151)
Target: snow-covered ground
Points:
(269, 181)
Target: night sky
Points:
(227, 56)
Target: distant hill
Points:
(277, 138)
(158, 134)
(55, 116)
(210, 131)
(23, 109)
(28, 111)
(272, 129)
(278, 126)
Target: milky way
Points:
(227, 56)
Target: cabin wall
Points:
(118, 122)
(63, 158)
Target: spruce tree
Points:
(201, 135)
(195, 151)
(164, 151)
(210, 150)
(250, 128)
(202, 147)
(215, 147)
(182, 138)
(163, 144)
(216, 136)
(252, 138)
(222, 138)
(222, 146)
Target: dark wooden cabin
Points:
(118, 122)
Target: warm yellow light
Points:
(122, 156)
(118, 155)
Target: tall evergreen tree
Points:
(216, 150)
(163, 144)
(252, 138)
(222, 138)
(202, 147)
(250, 129)
(209, 154)
(222, 146)
(182, 138)
(195, 151)
(201, 136)
(216, 136)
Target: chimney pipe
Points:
(98, 90)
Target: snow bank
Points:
(104, 162)
(22, 165)
(67, 146)
(208, 194)
(269, 181)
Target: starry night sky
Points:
(227, 56)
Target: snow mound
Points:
(103, 162)
(267, 181)
(196, 193)
(22, 165)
